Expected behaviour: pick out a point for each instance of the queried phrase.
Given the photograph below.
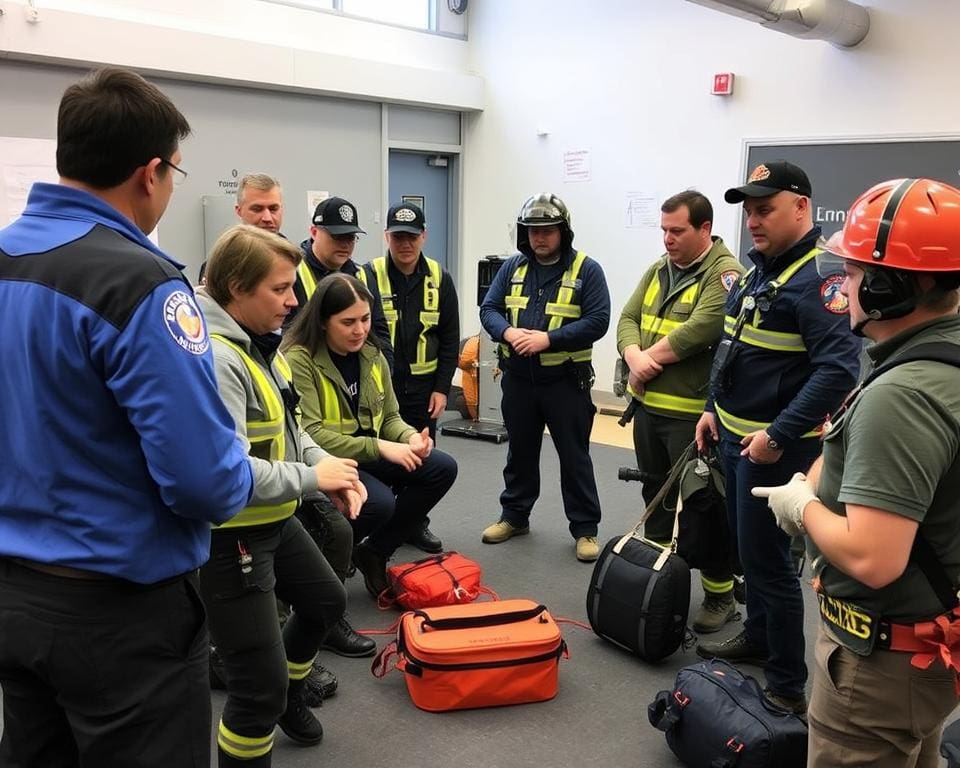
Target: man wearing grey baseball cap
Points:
(786, 360)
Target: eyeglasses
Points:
(177, 180)
(348, 238)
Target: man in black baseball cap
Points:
(420, 301)
(768, 179)
(787, 359)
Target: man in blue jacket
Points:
(116, 453)
(547, 306)
(786, 360)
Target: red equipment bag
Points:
(445, 579)
(477, 655)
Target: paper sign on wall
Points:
(576, 165)
(22, 162)
(314, 198)
(642, 211)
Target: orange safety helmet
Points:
(894, 230)
(911, 224)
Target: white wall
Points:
(630, 81)
(250, 42)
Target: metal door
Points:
(424, 179)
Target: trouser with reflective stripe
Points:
(568, 410)
(258, 659)
(774, 600)
(658, 442)
(399, 501)
(102, 673)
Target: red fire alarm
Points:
(723, 84)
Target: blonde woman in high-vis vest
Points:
(350, 409)
(264, 553)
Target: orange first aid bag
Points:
(477, 655)
(444, 579)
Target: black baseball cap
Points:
(768, 179)
(405, 217)
(337, 216)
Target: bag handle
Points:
(491, 620)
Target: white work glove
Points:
(788, 502)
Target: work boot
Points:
(795, 705)
(588, 549)
(501, 531)
(320, 684)
(298, 722)
(736, 650)
(373, 566)
(344, 641)
(715, 611)
(423, 538)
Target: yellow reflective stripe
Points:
(283, 366)
(743, 427)
(270, 429)
(559, 310)
(557, 358)
(333, 419)
(261, 515)
(775, 340)
(672, 402)
(658, 325)
(791, 270)
(729, 324)
(306, 278)
(516, 300)
(571, 311)
(421, 369)
(690, 294)
(386, 295)
(362, 275)
(297, 670)
(652, 291)
(243, 747)
(716, 587)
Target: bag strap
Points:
(675, 471)
(490, 620)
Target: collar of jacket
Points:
(220, 321)
(321, 270)
(707, 261)
(368, 358)
(794, 252)
(566, 259)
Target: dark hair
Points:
(335, 293)
(697, 204)
(112, 122)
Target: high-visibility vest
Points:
(776, 341)
(307, 278)
(333, 415)
(562, 308)
(426, 359)
(267, 437)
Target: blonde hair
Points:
(241, 259)
(257, 181)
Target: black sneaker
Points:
(794, 705)
(320, 684)
(423, 538)
(298, 722)
(344, 641)
(736, 650)
(373, 566)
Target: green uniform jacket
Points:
(307, 373)
(691, 317)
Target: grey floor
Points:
(599, 715)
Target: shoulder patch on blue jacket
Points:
(185, 323)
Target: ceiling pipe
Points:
(840, 22)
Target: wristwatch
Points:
(772, 444)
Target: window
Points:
(408, 13)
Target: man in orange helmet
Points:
(881, 507)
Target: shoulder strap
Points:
(922, 552)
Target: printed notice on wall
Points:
(642, 211)
(314, 198)
(576, 165)
(22, 162)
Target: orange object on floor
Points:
(444, 579)
(477, 655)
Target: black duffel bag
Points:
(717, 717)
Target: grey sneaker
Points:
(716, 611)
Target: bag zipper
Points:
(416, 666)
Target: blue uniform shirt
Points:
(116, 452)
(540, 284)
(792, 391)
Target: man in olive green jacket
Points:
(667, 334)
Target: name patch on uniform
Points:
(185, 323)
(833, 300)
(729, 279)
